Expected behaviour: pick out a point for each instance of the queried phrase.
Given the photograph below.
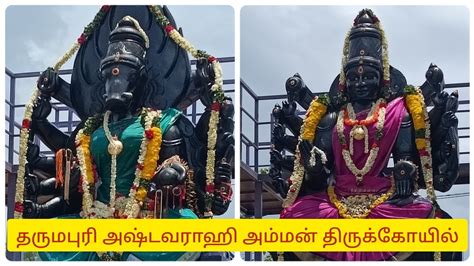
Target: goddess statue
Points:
(134, 154)
(343, 146)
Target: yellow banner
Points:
(238, 235)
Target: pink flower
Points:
(82, 39)
(169, 28)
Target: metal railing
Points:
(64, 117)
(255, 142)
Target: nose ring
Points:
(115, 71)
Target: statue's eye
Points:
(115, 71)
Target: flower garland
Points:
(415, 103)
(217, 101)
(314, 114)
(416, 107)
(25, 129)
(350, 120)
(371, 200)
(345, 53)
(24, 134)
(347, 151)
(144, 171)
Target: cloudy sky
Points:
(279, 41)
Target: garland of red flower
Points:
(25, 128)
(217, 101)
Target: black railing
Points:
(64, 117)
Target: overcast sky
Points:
(278, 41)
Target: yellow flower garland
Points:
(314, 114)
(416, 107)
(85, 142)
(152, 153)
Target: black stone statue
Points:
(367, 115)
(127, 69)
(130, 81)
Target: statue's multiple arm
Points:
(224, 154)
(318, 172)
(444, 129)
(50, 84)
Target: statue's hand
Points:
(31, 209)
(434, 75)
(448, 148)
(32, 154)
(277, 113)
(42, 108)
(48, 82)
(288, 108)
(440, 99)
(275, 157)
(223, 188)
(449, 119)
(203, 80)
(278, 133)
(172, 175)
(305, 150)
(404, 173)
(32, 185)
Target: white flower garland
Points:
(385, 59)
(312, 159)
(24, 133)
(346, 154)
(214, 117)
